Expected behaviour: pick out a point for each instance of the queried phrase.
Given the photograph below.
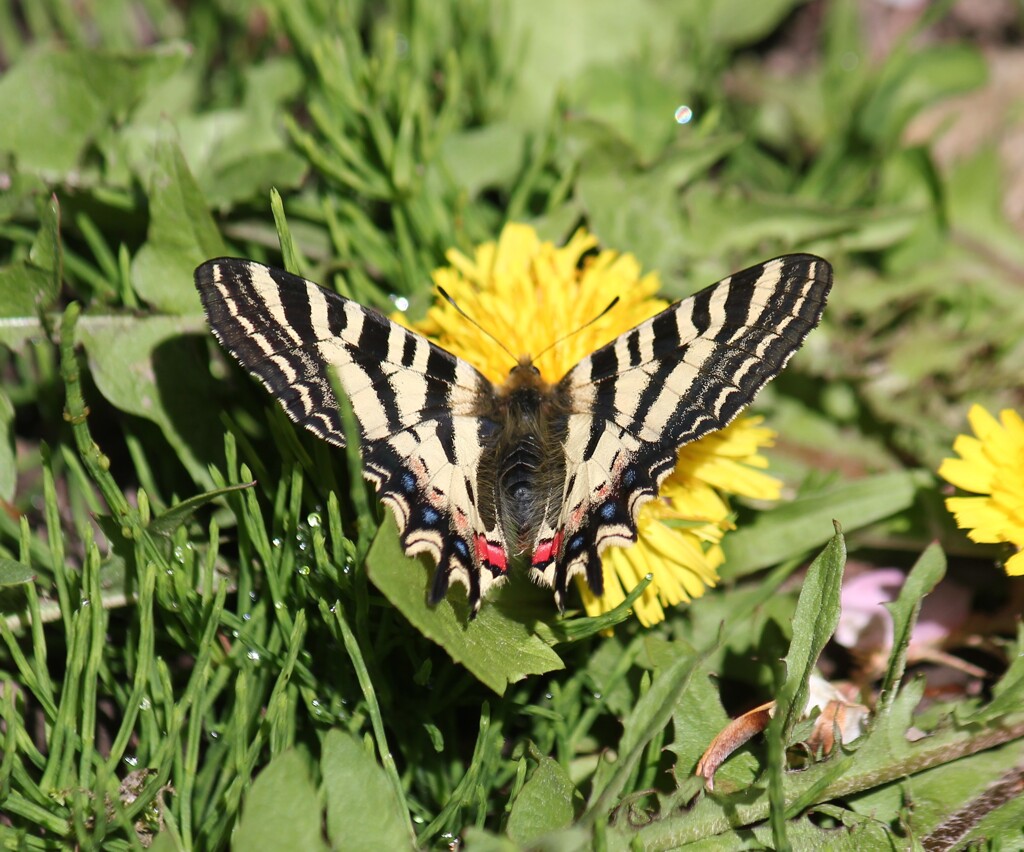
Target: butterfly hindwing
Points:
(415, 403)
(472, 471)
(678, 376)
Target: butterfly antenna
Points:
(575, 331)
(455, 305)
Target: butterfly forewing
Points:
(678, 376)
(415, 403)
(462, 463)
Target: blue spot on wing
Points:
(431, 516)
(608, 511)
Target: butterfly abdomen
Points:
(517, 479)
(526, 462)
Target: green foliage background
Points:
(192, 659)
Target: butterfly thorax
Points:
(475, 472)
(525, 451)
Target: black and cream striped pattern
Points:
(414, 402)
(676, 377)
(469, 468)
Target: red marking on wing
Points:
(547, 550)
(491, 554)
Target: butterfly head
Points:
(524, 376)
(524, 367)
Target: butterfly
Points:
(477, 473)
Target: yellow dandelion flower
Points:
(529, 293)
(991, 464)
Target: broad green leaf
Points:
(236, 154)
(561, 41)
(45, 252)
(547, 802)
(23, 291)
(607, 666)
(925, 576)
(639, 211)
(281, 810)
(496, 646)
(32, 285)
(565, 840)
(789, 530)
(182, 234)
(165, 842)
(697, 719)
(16, 333)
(737, 22)
(13, 573)
(362, 813)
(245, 159)
(485, 157)
(57, 102)
(487, 841)
(852, 833)
(649, 716)
(146, 368)
(633, 104)
(20, 188)
(815, 620)
(755, 621)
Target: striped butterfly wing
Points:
(678, 376)
(420, 437)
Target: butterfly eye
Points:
(532, 369)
